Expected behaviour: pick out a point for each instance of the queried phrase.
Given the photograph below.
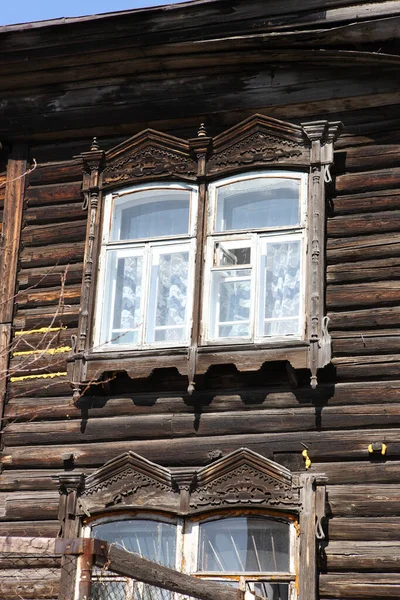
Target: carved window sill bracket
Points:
(85, 369)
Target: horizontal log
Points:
(30, 528)
(374, 293)
(364, 500)
(366, 342)
(376, 470)
(27, 319)
(53, 194)
(144, 403)
(50, 276)
(173, 27)
(142, 427)
(367, 528)
(360, 586)
(364, 223)
(57, 212)
(367, 202)
(38, 363)
(342, 394)
(366, 318)
(363, 556)
(47, 339)
(368, 180)
(32, 480)
(37, 297)
(369, 270)
(158, 427)
(31, 505)
(55, 254)
(363, 247)
(43, 387)
(195, 451)
(38, 235)
(57, 172)
(367, 367)
(372, 156)
(32, 298)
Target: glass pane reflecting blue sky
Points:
(29, 10)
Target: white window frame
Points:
(256, 238)
(187, 548)
(149, 247)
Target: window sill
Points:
(141, 363)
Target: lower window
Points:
(260, 548)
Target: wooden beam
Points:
(132, 565)
(13, 205)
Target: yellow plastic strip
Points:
(41, 330)
(44, 376)
(48, 351)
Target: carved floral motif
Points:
(255, 148)
(151, 161)
(245, 485)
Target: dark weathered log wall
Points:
(357, 401)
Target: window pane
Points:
(168, 296)
(282, 273)
(258, 203)
(231, 302)
(151, 213)
(230, 254)
(123, 305)
(151, 539)
(244, 544)
(272, 591)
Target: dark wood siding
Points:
(109, 94)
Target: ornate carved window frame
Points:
(257, 143)
(242, 480)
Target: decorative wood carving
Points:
(70, 485)
(244, 477)
(258, 141)
(149, 155)
(129, 480)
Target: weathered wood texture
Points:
(58, 99)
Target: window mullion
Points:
(146, 289)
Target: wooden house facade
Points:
(273, 130)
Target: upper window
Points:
(255, 260)
(254, 276)
(146, 267)
(206, 244)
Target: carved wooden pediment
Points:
(259, 141)
(148, 155)
(240, 478)
(245, 477)
(130, 480)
